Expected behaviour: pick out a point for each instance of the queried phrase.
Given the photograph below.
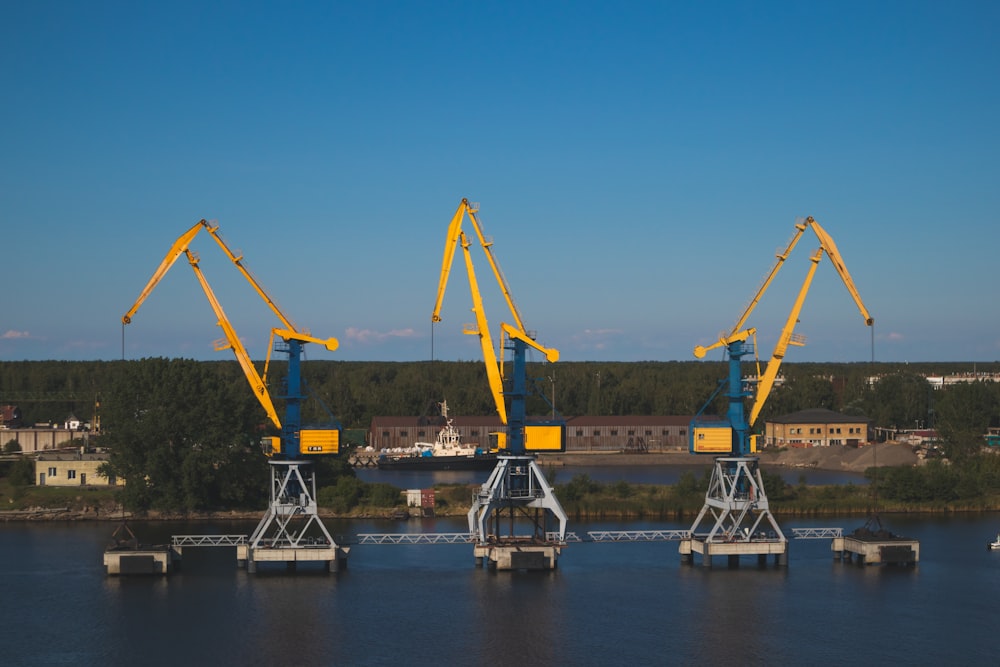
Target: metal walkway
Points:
(208, 540)
(467, 538)
(591, 536)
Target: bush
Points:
(22, 472)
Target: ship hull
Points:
(478, 462)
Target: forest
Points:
(354, 392)
(185, 433)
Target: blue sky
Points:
(637, 165)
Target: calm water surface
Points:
(607, 604)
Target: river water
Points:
(606, 604)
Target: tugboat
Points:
(447, 452)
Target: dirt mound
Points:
(838, 457)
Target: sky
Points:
(636, 164)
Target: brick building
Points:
(817, 427)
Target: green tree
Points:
(12, 446)
(184, 437)
(21, 472)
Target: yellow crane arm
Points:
(787, 337)
(800, 227)
(482, 330)
(497, 273)
(456, 237)
(828, 246)
(179, 246)
(232, 341)
(826, 242)
(551, 354)
(238, 261)
(450, 243)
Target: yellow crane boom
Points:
(313, 441)
(826, 245)
(494, 362)
(232, 341)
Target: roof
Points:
(582, 421)
(818, 416)
(70, 456)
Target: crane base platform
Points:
(333, 557)
(517, 556)
(733, 551)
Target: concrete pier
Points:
(517, 556)
(334, 557)
(157, 559)
(733, 551)
(877, 550)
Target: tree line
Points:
(185, 434)
(354, 392)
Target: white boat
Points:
(995, 544)
(447, 452)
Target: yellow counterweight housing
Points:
(547, 437)
(712, 440)
(317, 441)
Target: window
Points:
(403, 434)
(597, 431)
(52, 472)
(631, 432)
(474, 431)
(649, 433)
(614, 431)
(421, 434)
(70, 474)
(579, 432)
(683, 432)
(385, 434)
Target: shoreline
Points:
(835, 458)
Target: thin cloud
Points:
(894, 337)
(10, 334)
(596, 339)
(365, 336)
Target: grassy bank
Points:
(581, 497)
